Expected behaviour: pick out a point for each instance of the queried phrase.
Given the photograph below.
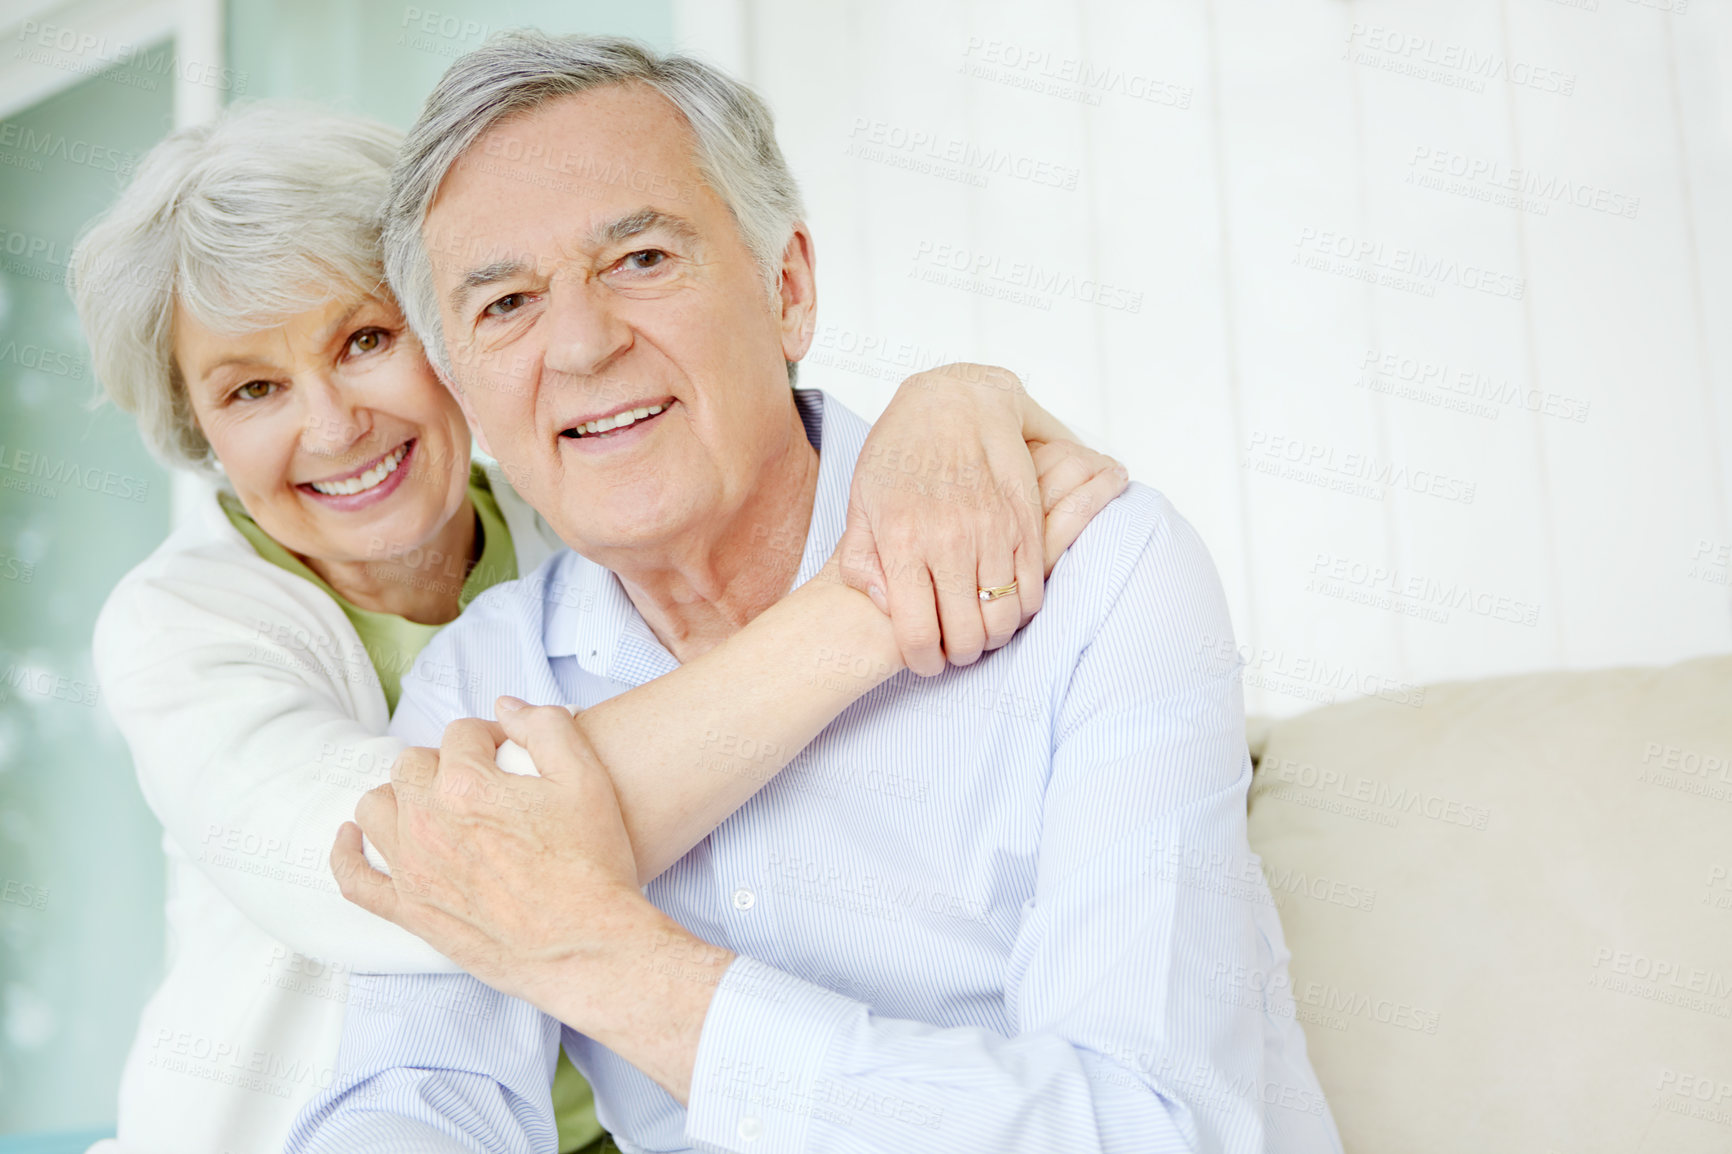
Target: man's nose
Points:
(585, 332)
(332, 422)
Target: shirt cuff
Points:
(760, 1058)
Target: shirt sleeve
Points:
(435, 1064)
(249, 753)
(1133, 1031)
(432, 695)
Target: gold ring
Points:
(997, 591)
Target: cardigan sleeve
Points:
(256, 722)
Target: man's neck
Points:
(699, 597)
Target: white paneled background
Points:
(1418, 310)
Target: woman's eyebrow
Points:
(204, 373)
(336, 326)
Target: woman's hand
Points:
(948, 499)
(1075, 483)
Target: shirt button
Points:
(744, 900)
(750, 1127)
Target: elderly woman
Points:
(235, 304)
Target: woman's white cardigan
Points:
(256, 721)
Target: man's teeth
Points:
(618, 420)
(366, 480)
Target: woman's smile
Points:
(364, 486)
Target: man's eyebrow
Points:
(620, 228)
(637, 223)
(479, 278)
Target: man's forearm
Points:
(645, 999)
(689, 748)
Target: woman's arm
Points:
(241, 704)
(228, 683)
(672, 759)
(690, 747)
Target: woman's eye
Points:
(366, 341)
(645, 260)
(505, 305)
(255, 390)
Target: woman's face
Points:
(332, 428)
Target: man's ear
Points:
(797, 296)
(469, 418)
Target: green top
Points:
(392, 644)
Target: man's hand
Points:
(530, 885)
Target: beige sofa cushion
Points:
(1510, 910)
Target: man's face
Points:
(585, 272)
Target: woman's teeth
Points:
(618, 420)
(366, 480)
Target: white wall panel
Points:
(1428, 299)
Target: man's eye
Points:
(505, 305)
(644, 260)
(254, 390)
(366, 341)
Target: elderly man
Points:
(1009, 907)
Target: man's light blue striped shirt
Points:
(1011, 907)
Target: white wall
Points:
(1215, 152)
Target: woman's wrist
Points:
(855, 633)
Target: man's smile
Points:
(619, 425)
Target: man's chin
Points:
(589, 530)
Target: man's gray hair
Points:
(245, 221)
(517, 72)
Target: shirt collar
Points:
(590, 618)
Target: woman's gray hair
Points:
(243, 222)
(516, 72)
